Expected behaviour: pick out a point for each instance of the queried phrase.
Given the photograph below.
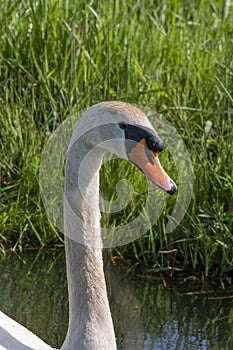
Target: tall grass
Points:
(58, 57)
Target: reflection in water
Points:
(147, 316)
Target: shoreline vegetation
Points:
(174, 57)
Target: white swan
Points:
(131, 136)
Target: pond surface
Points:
(147, 314)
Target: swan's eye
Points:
(122, 125)
(154, 145)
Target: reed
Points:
(175, 57)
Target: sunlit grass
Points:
(175, 57)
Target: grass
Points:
(175, 57)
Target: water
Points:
(146, 314)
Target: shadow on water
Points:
(147, 315)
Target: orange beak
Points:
(148, 162)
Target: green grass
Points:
(175, 57)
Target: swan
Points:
(121, 128)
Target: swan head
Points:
(122, 128)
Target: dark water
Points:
(147, 315)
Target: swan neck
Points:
(90, 323)
(81, 200)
